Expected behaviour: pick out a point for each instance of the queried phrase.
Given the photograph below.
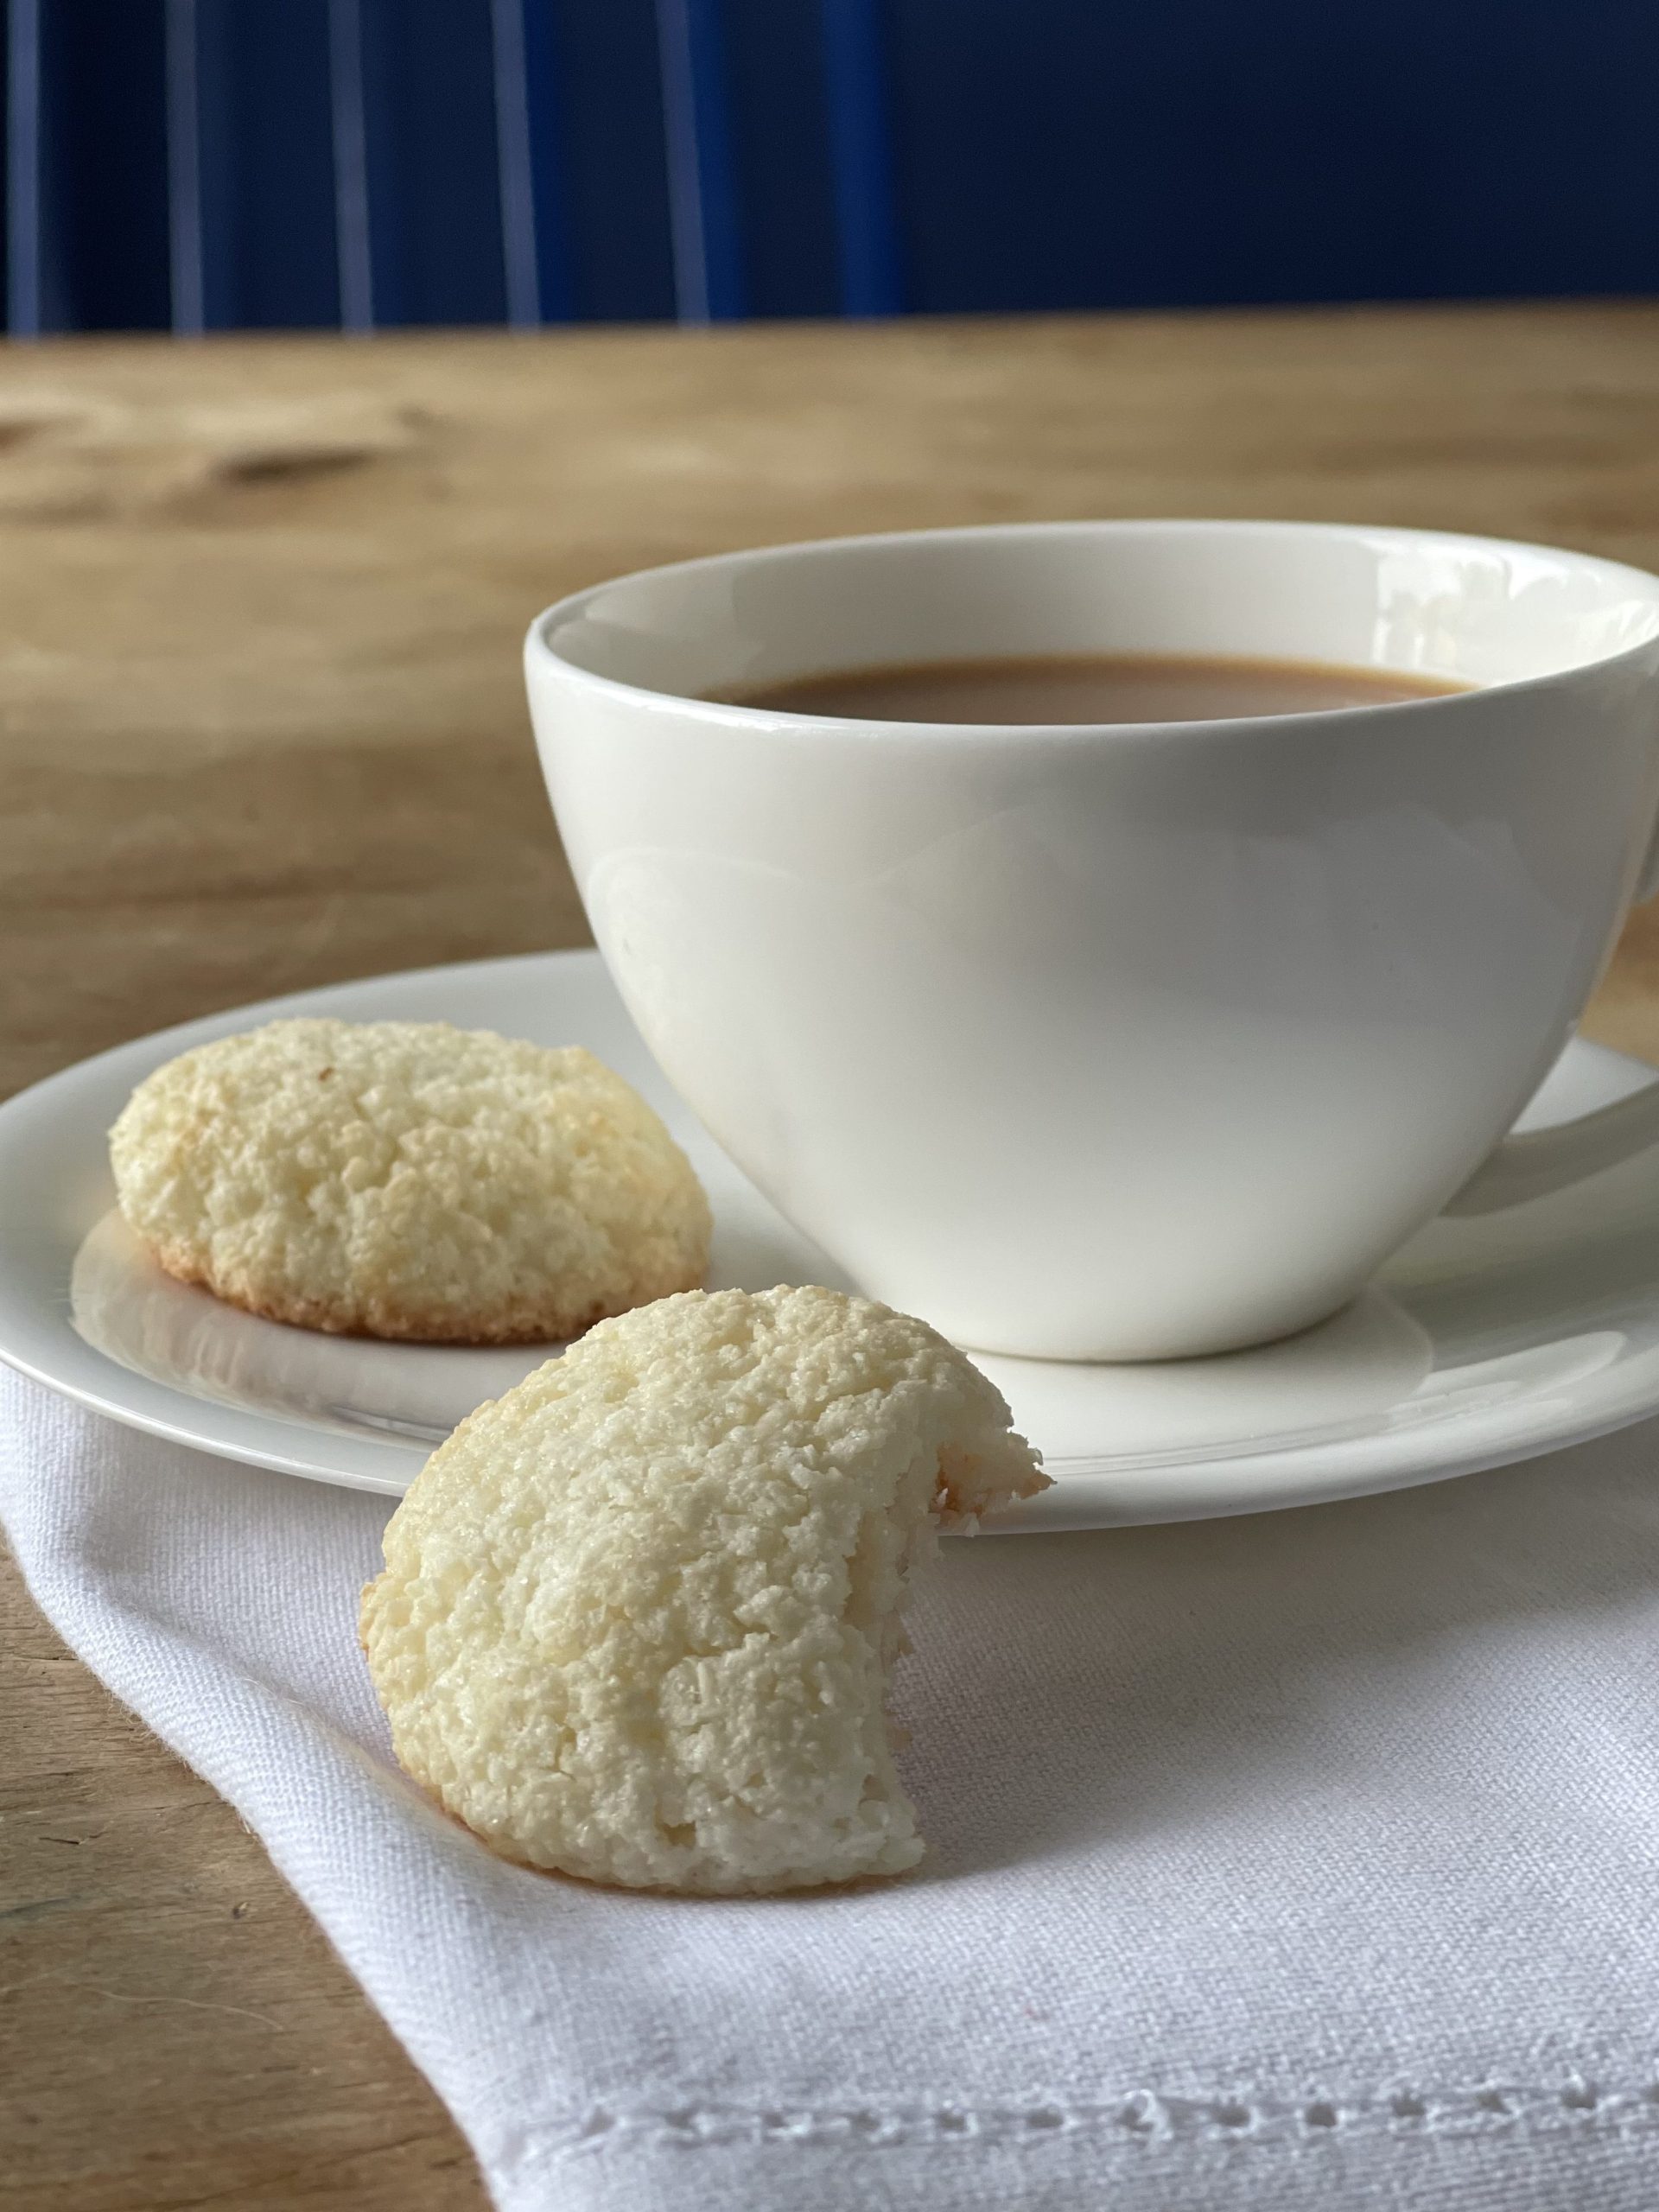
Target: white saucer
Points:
(1485, 1340)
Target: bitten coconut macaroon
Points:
(408, 1180)
(638, 1616)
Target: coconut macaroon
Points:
(637, 1616)
(408, 1180)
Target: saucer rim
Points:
(37, 1336)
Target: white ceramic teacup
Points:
(1116, 1042)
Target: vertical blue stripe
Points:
(188, 272)
(23, 169)
(701, 194)
(353, 243)
(684, 183)
(544, 140)
(861, 156)
(520, 261)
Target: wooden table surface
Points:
(261, 728)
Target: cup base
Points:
(1162, 1348)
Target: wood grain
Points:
(261, 728)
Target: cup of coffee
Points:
(1111, 940)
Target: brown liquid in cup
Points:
(1089, 688)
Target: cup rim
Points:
(782, 721)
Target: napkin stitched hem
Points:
(1486, 2108)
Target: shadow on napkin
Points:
(1071, 1687)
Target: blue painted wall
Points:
(266, 162)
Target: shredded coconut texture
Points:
(408, 1180)
(638, 1616)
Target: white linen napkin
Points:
(1306, 1861)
